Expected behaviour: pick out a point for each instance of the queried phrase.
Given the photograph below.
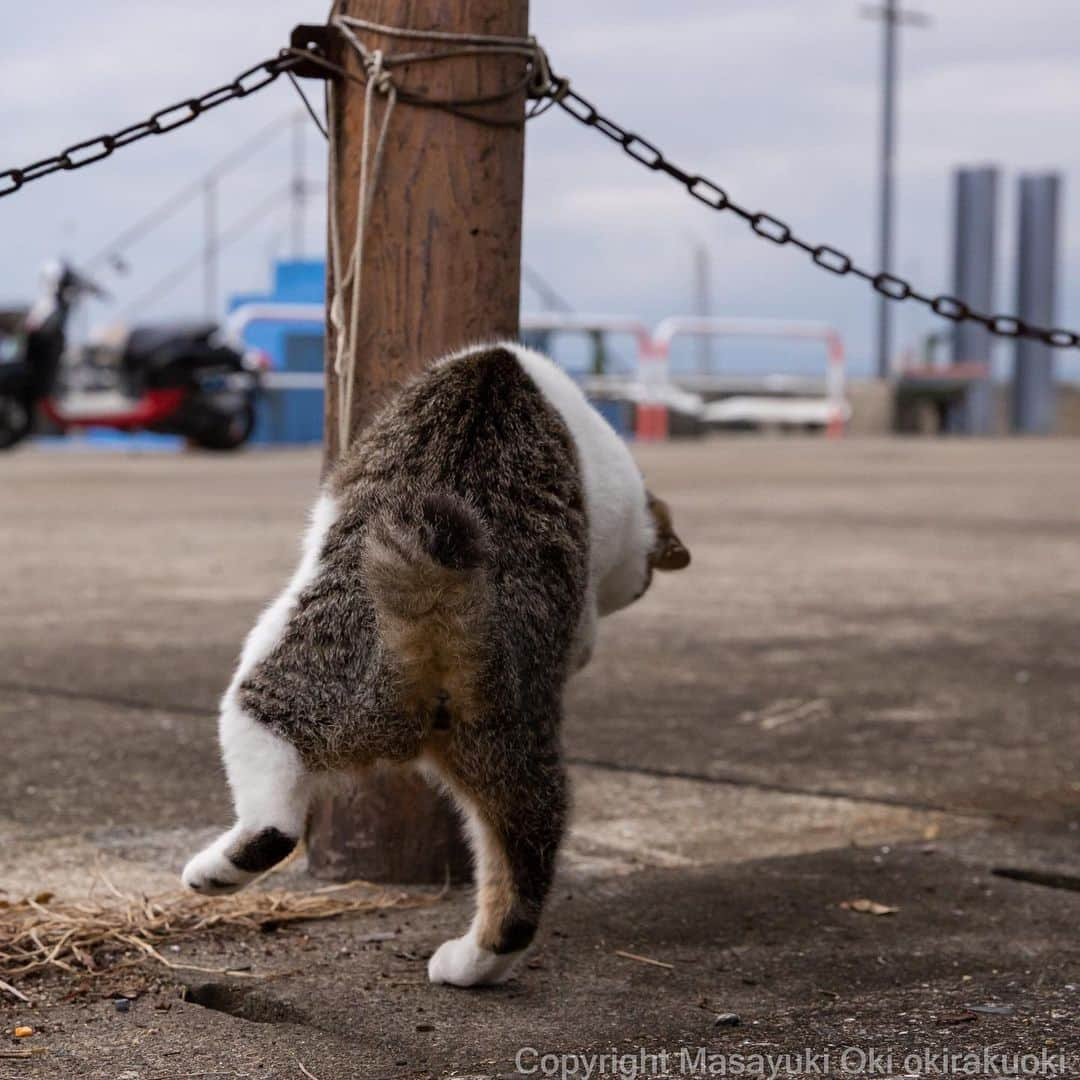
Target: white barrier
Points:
(272, 311)
(652, 389)
(833, 409)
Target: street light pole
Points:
(702, 307)
(892, 17)
(299, 185)
(885, 209)
(210, 248)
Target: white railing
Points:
(652, 386)
(832, 410)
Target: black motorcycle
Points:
(177, 378)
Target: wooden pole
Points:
(442, 264)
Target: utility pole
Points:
(299, 184)
(442, 268)
(210, 248)
(702, 305)
(891, 17)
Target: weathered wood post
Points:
(441, 269)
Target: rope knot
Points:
(376, 70)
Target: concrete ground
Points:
(865, 687)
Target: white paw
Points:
(212, 872)
(461, 962)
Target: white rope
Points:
(350, 279)
(462, 45)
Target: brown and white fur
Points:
(450, 583)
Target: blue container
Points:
(290, 414)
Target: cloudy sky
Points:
(775, 99)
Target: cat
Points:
(450, 582)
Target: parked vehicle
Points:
(179, 378)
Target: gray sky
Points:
(777, 100)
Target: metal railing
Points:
(651, 386)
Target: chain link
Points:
(160, 123)
(771, 228)
(559, 92)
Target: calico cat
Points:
(450, 583)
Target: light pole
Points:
(702, 305)
(299, 185)
(210, 248)
(891, 17)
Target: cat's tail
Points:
(426, 570)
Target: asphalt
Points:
(866, 686)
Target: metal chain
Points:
(163, 121)
(772, 228)
(556, 91)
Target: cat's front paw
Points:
(461, 962)
(213, 873)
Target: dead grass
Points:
(101, 937)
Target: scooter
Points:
(176, 378)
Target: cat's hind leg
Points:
(271, 794)
(515, 809)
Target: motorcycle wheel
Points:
(230, 431)
(16, 420)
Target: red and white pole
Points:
(835, 377)
(652, 413)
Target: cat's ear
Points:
(669, 553)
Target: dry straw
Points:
(101, 937)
